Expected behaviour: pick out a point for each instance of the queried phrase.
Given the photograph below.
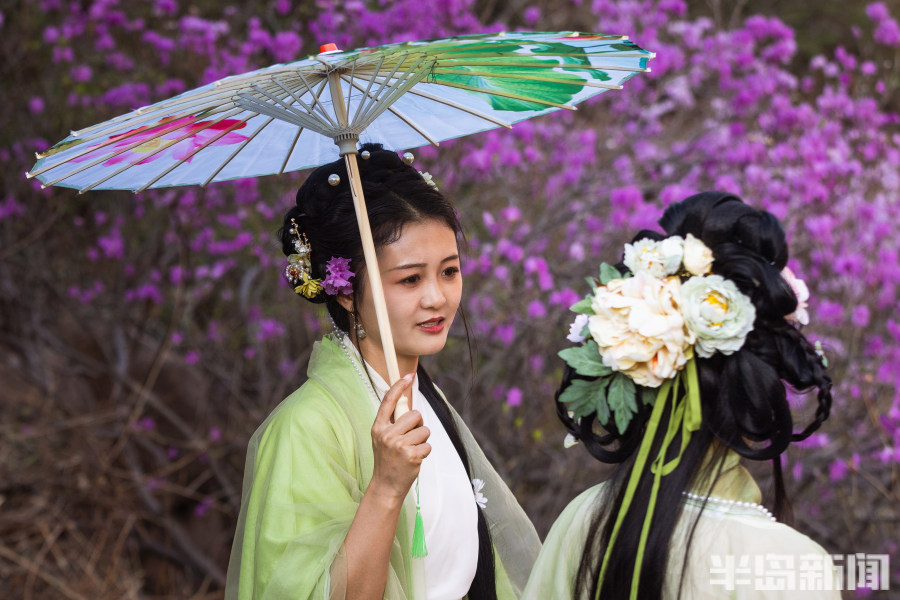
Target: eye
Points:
(411, 279)
(450, 271)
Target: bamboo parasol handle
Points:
(373, 274)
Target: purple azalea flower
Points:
(337, 276)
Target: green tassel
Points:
(418, 542)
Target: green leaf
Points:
(582, 307)
(621, 400)
(648, 395)
(586, 332)
(585, 359)
(513, 74)
(585, 397)
(608, 273)
(591, 282)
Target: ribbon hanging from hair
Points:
(685, 415)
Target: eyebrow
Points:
(421, 265)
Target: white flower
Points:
(569, 441)
(698, 258)
(639, 328)
(480, 499)
(717, 313)
(658, 259)
(802, 292)
(576, 328)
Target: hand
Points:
(400, 447)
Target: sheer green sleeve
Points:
(554, 572)
(301, 493)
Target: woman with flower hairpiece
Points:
(339, 499)
(686, 349)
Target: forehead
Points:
(422, 241)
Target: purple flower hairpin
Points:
(337, 276)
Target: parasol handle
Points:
(374, 276)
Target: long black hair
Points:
(743, 399)
(396, 194)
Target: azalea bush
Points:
(145, 337)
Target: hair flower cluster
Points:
(642, 328)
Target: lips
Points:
(432, 325)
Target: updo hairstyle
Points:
(743, 395)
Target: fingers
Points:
(416, 436)
(389, 403)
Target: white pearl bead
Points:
(730, 503)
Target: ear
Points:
(346, 302)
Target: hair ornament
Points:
(298, 271)
(640, 333)
(408, 158)
(365, 154)
(334, 180)
(429, 180)
(337, 276)
(801, 291)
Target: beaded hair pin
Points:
(298, 272)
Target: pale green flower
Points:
(717, 313)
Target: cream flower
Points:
(655, 258)
(639, 328)
(802, 292)
(698, 258)
(718, 314)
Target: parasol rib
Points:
(370, 103)
(543, 65)
(366, 93)
(105, 157)
(118, 138)
(405, 118)
(190, 154)
(398, 88)
(236, 151)
(290, 151)
(316, 97)
(489, 74)
(143, 158)
(472, 111)
(308, 119)
(490, 92)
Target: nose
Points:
(433, 295)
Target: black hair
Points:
(395, 194)
(743, 398)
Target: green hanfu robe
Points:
(308, 466)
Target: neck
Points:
(373, 354)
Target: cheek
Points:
(454, 295)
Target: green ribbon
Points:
(685, 415)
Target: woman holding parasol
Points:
(340, 500)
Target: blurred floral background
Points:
(143, 338)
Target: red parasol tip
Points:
(328, 48)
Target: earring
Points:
(360, 330)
